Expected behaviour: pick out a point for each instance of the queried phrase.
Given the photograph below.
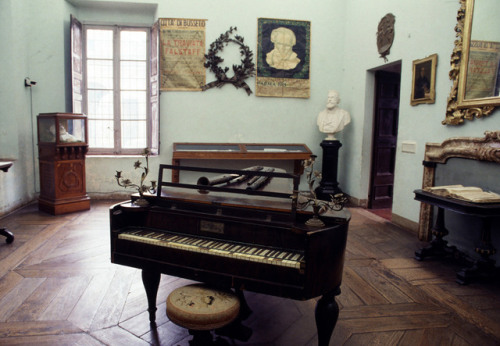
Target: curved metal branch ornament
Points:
(141, 188)
(310, 199)
(241, 72)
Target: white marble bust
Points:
(333, 119)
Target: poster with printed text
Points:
(182, 54)
(283, 58)
(482, 71)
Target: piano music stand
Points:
(4, 166)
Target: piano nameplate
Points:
(211, 227)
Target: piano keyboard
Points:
(217, 248)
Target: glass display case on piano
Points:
(235, 228)
(62, 145)
(240, 151)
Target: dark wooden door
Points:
(384, 139)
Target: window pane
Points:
(100, 104)
(100, 74)
(134, 134)
(99, 44)
(117, 88)
(101, 134)
(133, 75)
(133, 45)
(133, 104)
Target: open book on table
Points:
(465, 193)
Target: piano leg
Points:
(327, 313)
(151, 281)
(236, 330)
(245, 310)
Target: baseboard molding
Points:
(396, 219)
(402, 222)
(110, 195)
(356, 202)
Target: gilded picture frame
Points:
(423, 88)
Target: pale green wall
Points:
(422, 28)
(228, 114)
(343, 57)
(419, 33)
(17, 187)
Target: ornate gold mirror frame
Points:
(460, 108)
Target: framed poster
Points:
(283, 58)
(424, 81)
(182, 54)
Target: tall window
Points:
(114, 81)
(115, 98)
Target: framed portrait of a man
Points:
(283, 58)
(424, 80)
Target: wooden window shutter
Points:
(76, 64)
(155, 90)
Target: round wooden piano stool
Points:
(200, 309)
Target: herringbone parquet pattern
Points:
(58, 287)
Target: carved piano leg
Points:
(151, 281)
(327, 313)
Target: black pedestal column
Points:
(329, 184)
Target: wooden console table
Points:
(438, 247)
(9, 237)
(240, 151)
(486, 148)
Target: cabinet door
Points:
(70, 178)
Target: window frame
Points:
(79, 82)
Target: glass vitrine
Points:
(295, 153)
(62, 146)
(62, 128)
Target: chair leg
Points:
(8, 234)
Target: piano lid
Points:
(254, 187)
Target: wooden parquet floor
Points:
(58, 287)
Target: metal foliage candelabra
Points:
(141, 187)
(310, 198)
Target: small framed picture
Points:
(424, 80)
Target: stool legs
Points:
(201, 338)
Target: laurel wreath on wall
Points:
(241, 72)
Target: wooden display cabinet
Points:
(62, 145)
